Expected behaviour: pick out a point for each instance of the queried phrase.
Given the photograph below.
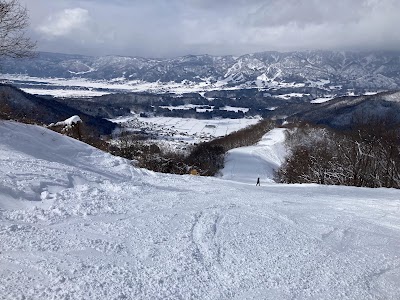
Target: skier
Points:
(258, 181)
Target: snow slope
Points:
(76, 223)
(246, 164)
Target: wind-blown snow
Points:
(76, 223)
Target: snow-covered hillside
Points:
(76, 223)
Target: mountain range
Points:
(329, 69)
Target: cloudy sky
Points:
(167, 28)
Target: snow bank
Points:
(36, 161)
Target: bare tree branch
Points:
(14, 20)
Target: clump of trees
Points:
(149, 155)
(366, 155)
(207, 158)
(245, 137)
(8, 110)
(14, 21)
(5, 108)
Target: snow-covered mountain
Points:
(371, 70)
(77, 223)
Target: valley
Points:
(77, 222)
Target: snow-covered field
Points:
(66, 92)
(83, 87)
(184, 131)
(204, 108)
(76, 223)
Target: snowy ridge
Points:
(76, 223)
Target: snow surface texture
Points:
(76, 223)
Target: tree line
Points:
(365, 155)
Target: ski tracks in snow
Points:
(204, 236)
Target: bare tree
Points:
(368, 155)
(14, 20)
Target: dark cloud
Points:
(177, 27)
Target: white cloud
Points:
(299, 25)
(64, 22)
(178, 27)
